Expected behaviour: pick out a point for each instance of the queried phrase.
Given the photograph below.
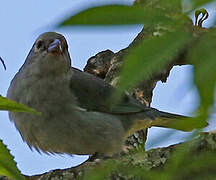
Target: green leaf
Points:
(188, 124)
(194, 4)
(203, 164)
(7, 165)
(8, 105)
(173, 6)
(198, 3)
(117, 15)
(177, 160)
(150, 56)
(101, 171)
(141, 172)
(202, 55)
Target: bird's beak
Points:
(55, 46)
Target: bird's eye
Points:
(39, 45)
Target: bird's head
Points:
(49, 53)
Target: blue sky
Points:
(23, 21)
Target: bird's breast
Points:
(43, 93)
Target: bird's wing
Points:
(93, 94)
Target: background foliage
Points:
(168, 15)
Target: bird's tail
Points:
(179, 122)
(152, 117)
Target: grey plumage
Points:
(76, 118)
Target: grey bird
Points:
(75, 116)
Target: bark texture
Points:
(156, 160)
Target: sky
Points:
(23, 21)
